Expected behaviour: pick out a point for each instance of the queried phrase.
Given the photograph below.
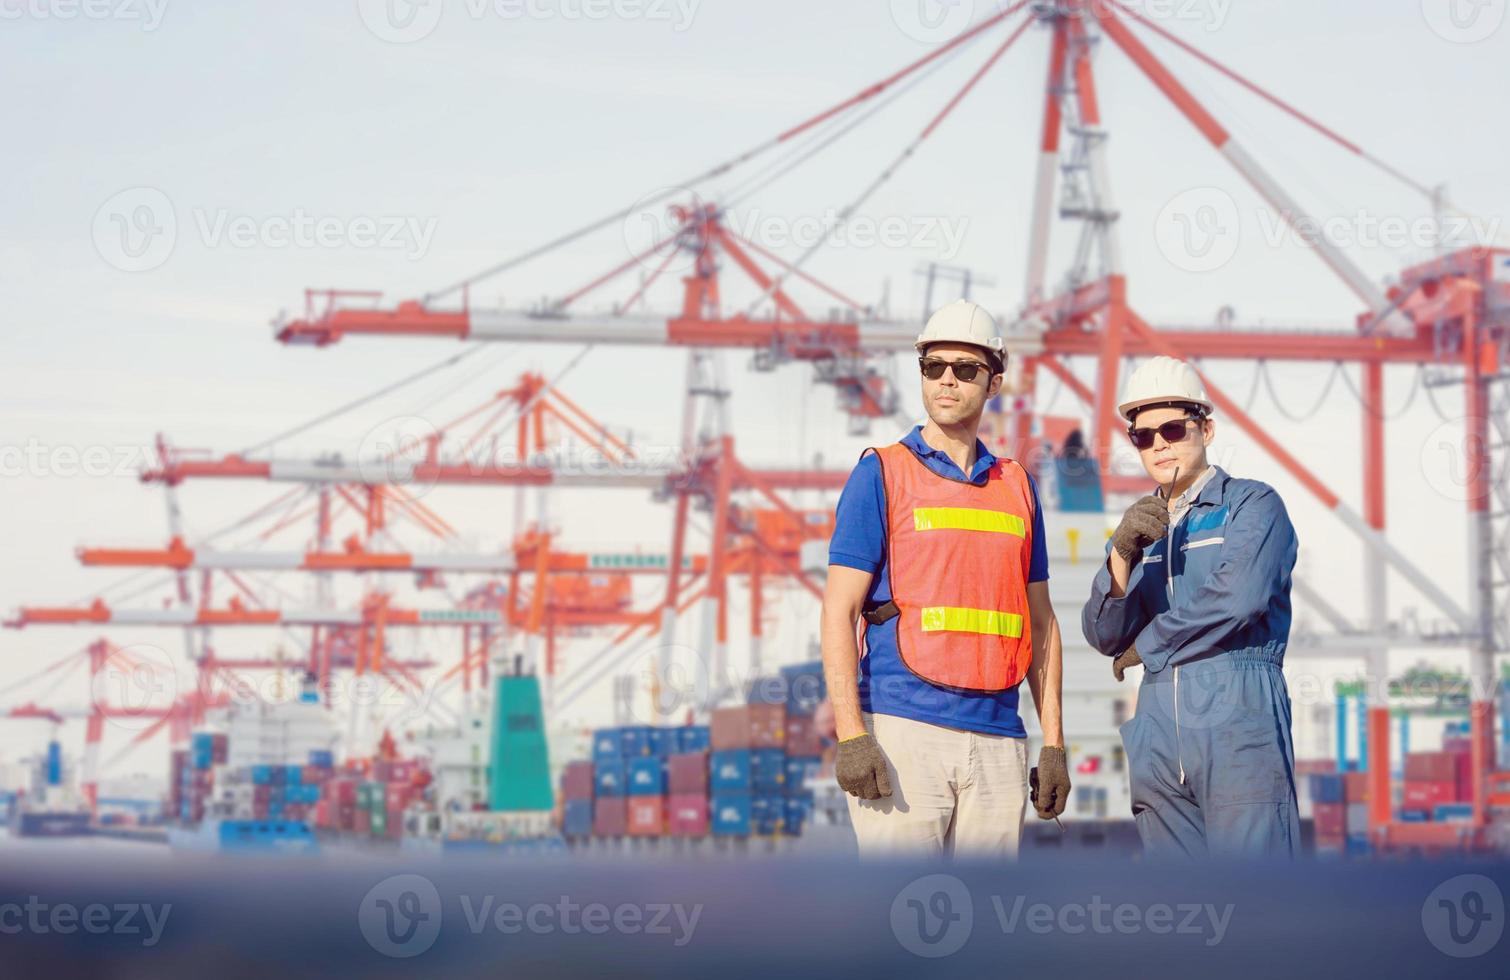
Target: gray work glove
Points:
(1127, 658)
(1144, 523)
(861, 768)
(1049, 782)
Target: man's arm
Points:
(1114, 614)
(1046, 674)
(843, 599)
(1257, 559)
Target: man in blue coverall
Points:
(1196, 589)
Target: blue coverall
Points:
(1209, 753)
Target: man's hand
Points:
(1127, 658)
(860, 768)
(1049, 782)
(1144, 523)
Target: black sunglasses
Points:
(1175, 430)
(933, 368)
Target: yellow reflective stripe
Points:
(967, 519)
(961, 620)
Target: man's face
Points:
(1187, 454)
(950, 401)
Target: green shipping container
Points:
(379, 823)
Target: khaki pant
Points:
(952, 792)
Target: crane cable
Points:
(864, 95)
(1279, 404)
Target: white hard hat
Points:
(1161, 381)
(963, 322)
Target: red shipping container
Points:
(398, 798)
(322, 814)
(767, 726)
(1465, 778)
(802, 736)
(343, 791)
(687, 774)
(688, 815)
(1431, 767)
(1457, 743)
(1423, 795)
(382, 770)
(1355, 787)
(610, 816)
(1330, 820)
(647, 816)
(729, 728)
(401, 772)
(576, 781)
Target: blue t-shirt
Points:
(886, 685)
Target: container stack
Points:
(1329, 812)
(745, 774)
(1439, 785)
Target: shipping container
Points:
(577, 781)
(687, 774)
(647, 776)
(611, 777)
(729, 770)
(577, 818)
(805, 687)
(694, 738)
(768, 770)
(607, 745)
(610, 816)
(730, 814)
(647, 816)
(687, 815)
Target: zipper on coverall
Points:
(1169, 584)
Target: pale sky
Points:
(510, 123)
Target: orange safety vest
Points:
(958, 560)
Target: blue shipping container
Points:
(767, 814)
(798, 809)
(577, 820)
(1453, 811)
(262, 775)
(1327, 787)
(694, 738)
(635, 740)
(647, 776)
(611, 777)
(729, 770)
(799, 769)
(606, 745)
(293, 775)
(768, 770)
(804, 687)
(664, 742)
(322, 758)
(730, 814)
(1415, 816)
